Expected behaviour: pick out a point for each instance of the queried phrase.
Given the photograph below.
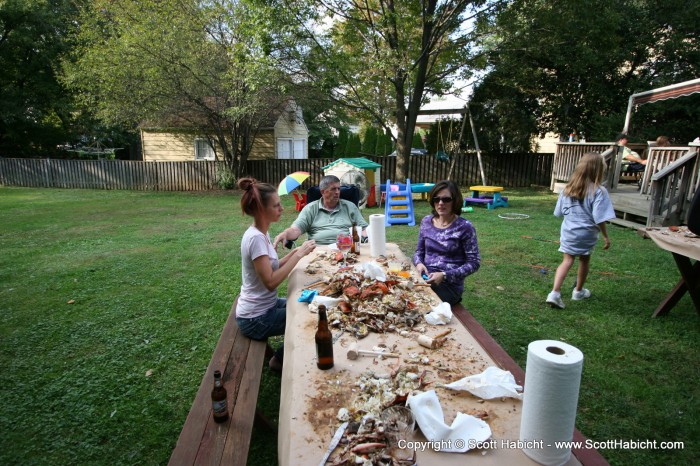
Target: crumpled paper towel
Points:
(440, 315)
(465, 431)
(492, 383)
(371, 270)
(325, 300)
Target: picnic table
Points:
(311, 398)
(684, 246)
(492, 199)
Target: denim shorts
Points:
(270, 324)
(447, 293)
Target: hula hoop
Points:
(513, 216)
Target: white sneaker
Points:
(579, 295)
(554, 299)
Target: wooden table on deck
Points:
(311, 398)
(684, 246)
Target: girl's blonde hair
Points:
(586, 177)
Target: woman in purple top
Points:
(447, 250)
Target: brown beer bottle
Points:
(218, 399)
(355, 240)
(324, 341)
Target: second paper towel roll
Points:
(377, 235)
(552, 381)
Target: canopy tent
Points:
(662, 93)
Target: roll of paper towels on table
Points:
(552, 381)
(377, 235)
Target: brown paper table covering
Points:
(681, 242)
(311, 398)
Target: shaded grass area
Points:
(153, 276)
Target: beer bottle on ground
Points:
(218, 399)
(324, 341)
(355, 240)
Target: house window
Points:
(288, 148)
(202, 149)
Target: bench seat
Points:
(203, 441)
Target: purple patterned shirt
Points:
(453, 250)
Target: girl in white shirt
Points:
(260, 313)
(585, 206)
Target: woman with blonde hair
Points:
(260, 313)
(585, 206)
(663, 141)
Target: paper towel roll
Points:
(552, 380)
(377, 235)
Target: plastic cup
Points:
(399, 424)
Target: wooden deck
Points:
(668, 184)
(631, 207)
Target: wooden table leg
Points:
(691, 276)
(690, 282)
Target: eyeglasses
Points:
(444, 200)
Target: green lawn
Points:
(151, 278)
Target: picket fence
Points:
(508, 170)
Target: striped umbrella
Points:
(291, 182)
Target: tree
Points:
(574, 64)
(384, 144)
(504, 117)
(384, 57)
(36, 113)
(354, 145)
(369, 139)
(341, 146)
(208, 65)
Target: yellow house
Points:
(283, 136)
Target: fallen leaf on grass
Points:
(149, 372)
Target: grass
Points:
(153, 275)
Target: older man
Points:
(325, 218)
(637, 163)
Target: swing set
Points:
(492, 198)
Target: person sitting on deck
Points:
(662, 141)
(637, 163)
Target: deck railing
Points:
(673, 188)
(659, 158)
(568, 155)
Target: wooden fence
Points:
(507, 170)
(109, 174)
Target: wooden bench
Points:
(203, 441)
(586, 456)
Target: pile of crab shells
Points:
(364, 441)
(368, 305)
(333, 258)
